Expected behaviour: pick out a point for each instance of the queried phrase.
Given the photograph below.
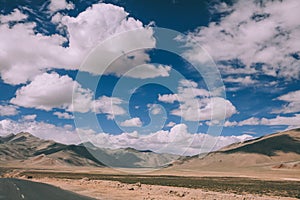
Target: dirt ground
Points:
(104, 183)
(114, 190)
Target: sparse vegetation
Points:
(4, 171)
(219, 184)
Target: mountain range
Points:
(278, 150)
(29, 150)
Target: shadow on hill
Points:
(53, 148)
(269, 146)
(118, 159)
(84, 152)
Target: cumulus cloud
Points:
(40, 129)
(176, 141)
(50, 90)
(20, 62)
(168, 98)
(8, 110)
(205, 109)
(100, 22)
(229, 123)
(29, 117)
(108, 105)
(25, 54)
(250, 121)
(293, 103)
(278, 120)
(247, 80)
(15, 16)
(149, 71)
(155, 109)
(133, 122)
(63, 115)
(171, 124)
(56, 5)
(252, 32)
(197, 105)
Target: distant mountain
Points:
(270, 145)
(29, 150)
(279, 150)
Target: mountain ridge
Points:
(270, 151)
(31, 150)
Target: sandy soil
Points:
(114, 190)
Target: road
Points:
(15, 189)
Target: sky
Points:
(172, 76)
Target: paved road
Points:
(15, 189)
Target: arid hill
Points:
(279, 150)
(26, 149)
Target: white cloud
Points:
(155, 109)
(168, 98)
(48, 91)
(250, 121)
(134, 122)
(293, 103)
(20, 63)
(108, 105)
(292, 121)
(247, 80)
(205, 109)
(171, 124)
(40, 129)
(29, 117)
(56, 19)
(176, 141)
(197, 105)
(100, 22)
(229, 123)
(254, 32)
(15, 16)
(280, 120)
(290, 97)
(8, 110)
(63, 115)
(149, 71)
(56, 5)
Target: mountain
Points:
(29, 150)
(275, 151)
(279, 150)
(126, 157)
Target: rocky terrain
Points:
(114, 190)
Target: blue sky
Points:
(58, 82)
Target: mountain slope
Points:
(129, 157)
(286, 142)
(30, 150)
(279, 150)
